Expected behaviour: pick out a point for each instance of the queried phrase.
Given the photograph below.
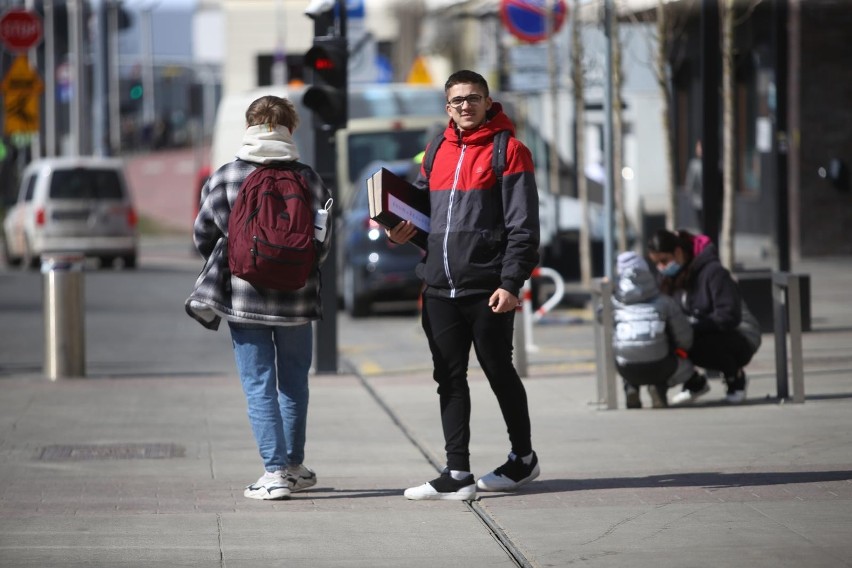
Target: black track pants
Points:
(452, 326)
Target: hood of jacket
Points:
(706, 254)
(263, 144)
(635, 286)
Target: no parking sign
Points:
(527, 19)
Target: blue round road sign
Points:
(527, 19)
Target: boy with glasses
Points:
(482, 247)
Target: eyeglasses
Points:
(458, 102)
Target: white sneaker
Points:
(271, 485)
(300, 477)
(687, 396)
(444, 488)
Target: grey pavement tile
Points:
(444, 535)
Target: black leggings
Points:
(650, 373)
(452, 326)
(724, 351)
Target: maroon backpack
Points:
(271, 229)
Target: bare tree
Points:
(578, 78)
(662, 75)
(729, 164)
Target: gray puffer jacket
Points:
(648, 325)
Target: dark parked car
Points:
(373, 269)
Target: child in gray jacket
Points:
(651, 334)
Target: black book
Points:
(393, 200)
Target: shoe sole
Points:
(442, 497)
(482, 486)
(264, 496)
(738, 397)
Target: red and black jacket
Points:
(482, 237)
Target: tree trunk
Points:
(580, 147)
(661, 73)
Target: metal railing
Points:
(787, 303)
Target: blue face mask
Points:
(671, 269)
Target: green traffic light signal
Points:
(136, 92)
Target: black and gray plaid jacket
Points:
(217, 293)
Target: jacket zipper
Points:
(449, 220)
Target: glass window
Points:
(385, 146)
(31, 183)
(421, 103)
(85, 184)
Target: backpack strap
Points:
(498, 163)
(429, 156)
(498, 155)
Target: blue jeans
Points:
(273, 363)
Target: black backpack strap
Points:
(429, 156)
(498, 155)
(498, 164)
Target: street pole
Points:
(325, 157)
(148, 103)
(113, 78)
(75, 47)
(782, 206)
(608, 177)
(99, 100)
(49, 80)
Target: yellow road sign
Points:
(21, 88)
(419, 74)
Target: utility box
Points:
(756, 289)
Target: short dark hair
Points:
(466, 76)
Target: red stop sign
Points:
(20, 29)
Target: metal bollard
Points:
(605, 360)
(64, 329)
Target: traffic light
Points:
(135, 91)
(327, 96)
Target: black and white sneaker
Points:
(736, 388)
(300, 478)
(511, 475)
(444, 488)
(271, 486)
(697, 386)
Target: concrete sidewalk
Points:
(762, 484)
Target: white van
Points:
(72, 204)
(386, 122)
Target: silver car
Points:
(79, 204)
